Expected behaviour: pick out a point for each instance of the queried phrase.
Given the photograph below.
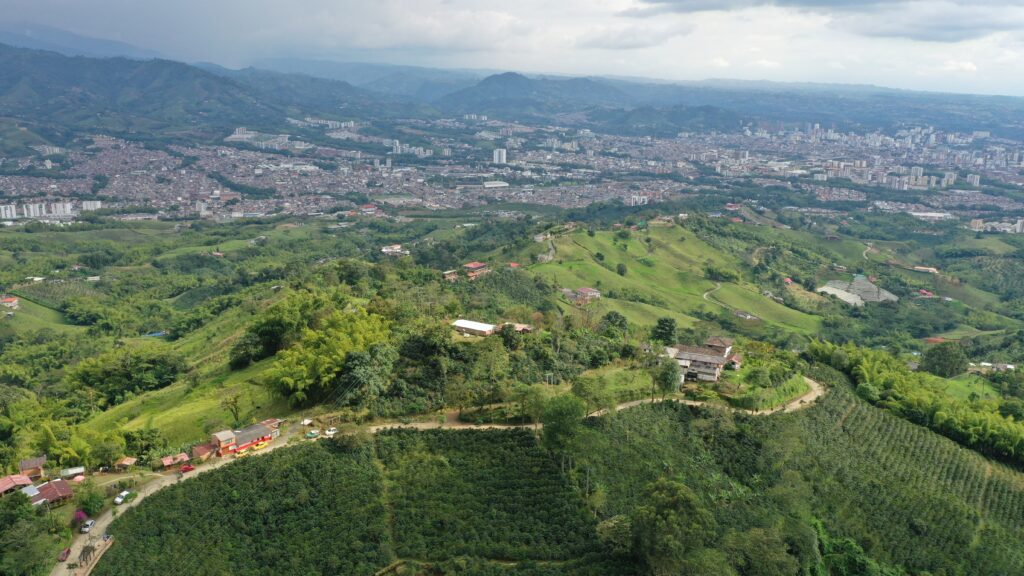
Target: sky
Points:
(974, 46)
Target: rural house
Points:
(34, 468)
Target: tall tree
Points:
(672, 523)
(665, 331)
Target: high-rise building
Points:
(37, 210)
(89, 205)
(8, 212)
(500, 156)
(974, 180)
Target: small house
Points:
(471, 328)
(52, 492)
(450, 275)
(13, 482)
(125, 463)
(34, 468)
(475, 270)
(168, 461)
(10, 302)
(72, 472)
(587, 295)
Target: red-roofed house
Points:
(11, 303)
(587, 295)
(13, 482)
(53, 492)
(169, 461)
(475, 270)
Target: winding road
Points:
(451, 422)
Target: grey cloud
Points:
(935, 21)
(631, 37)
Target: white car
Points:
(331, 432)
(88, 526)
(122, 497)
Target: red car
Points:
(64, 554)
(187, 468)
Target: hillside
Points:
(473, 497)
(120, 95)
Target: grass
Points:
(32, 316)
(962, 387)
(187, 415)
(667, 275)
(768, 398)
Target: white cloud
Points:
(890, 42)
(959, 66)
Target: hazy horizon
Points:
(945, 46)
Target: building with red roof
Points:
(13, 482)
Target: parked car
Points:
(187, 468)
(331, 432)
(313, 434)
(122, 497)
(87, 526)
(64, 555)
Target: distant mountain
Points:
(305, 94)
(420, 83)
(118, 95)
(516, 96)
(665, 122)
(39, 37)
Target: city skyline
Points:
(948, 46)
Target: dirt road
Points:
(165, 479)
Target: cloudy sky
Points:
(949, 45)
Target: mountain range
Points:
(57, 83)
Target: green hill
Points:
(666, 276)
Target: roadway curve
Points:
(451, 422)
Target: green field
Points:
(667, 276)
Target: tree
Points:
(562, 418)
(947, 360)
(667, 376)
(672, 523)
(760, 552)
(665, 331)
(232, 405)
(366, 374)
(89, 497)
(614, 322)
(621, 269)
(594, 392)
(307, 371)
(616, 533)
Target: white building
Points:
(89, 205)
(8, 212)
(500, 156)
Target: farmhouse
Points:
(471, 328)
(255, 437)
(475, 270)
(394, 250)
(587, 295)
(13, 482)
(704, 362)
(33, 467)
(10, 302)
(168, 461)
(53, 492)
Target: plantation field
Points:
(314, 509)
(491, 502)
(665, 276)
(491, 494)
(907, 495)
